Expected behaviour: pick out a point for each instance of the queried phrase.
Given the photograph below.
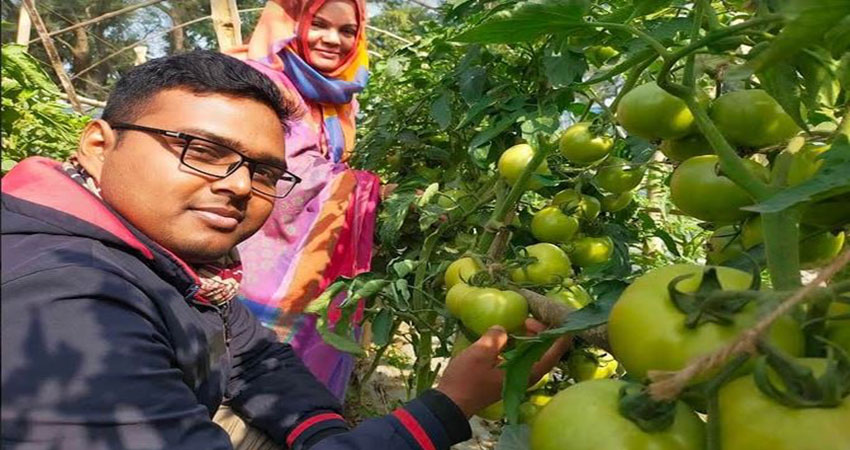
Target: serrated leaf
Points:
(382, 326)
(338, 342)
(394, 212)
(528, 20)
(518, 363)
(837, 40)
(515, 437)
(562, 66)
(403, 268)
(428, 194)
(831, 179)
(781, 82)
(472, 81)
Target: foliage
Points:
(34, 121)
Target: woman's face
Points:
(332, 34)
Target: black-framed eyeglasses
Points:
(220, 161)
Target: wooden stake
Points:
(228, 27)
(24, 27)
(55, 60)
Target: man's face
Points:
(198, 217)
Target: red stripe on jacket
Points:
(415, 429)
(303, 426)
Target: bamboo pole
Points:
(24, 27)
(228, 27)
(100, 18)
(55, 60)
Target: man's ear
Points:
(97, 142)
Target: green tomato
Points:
(617, 175)
(838, 329)
(581, 147)
(528, 409)
(652, 113)
(586, 416)
(540, 383)
(456, 296)
(514, 160)
(750, 420)
(616, 202)
(587, 206)
(699, 191)
(496, 411)
(752, 118)
(724, 245)
(590, 251)
(486, 307)
(552, 225)
(574, 296)
(591, 364)
(599, 54)
(461, 270)
(752, 233)
(805, 163)
(818, 250)
(687, 147)
(646, 330)
(829, 213)
(551, 266)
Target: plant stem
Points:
(423, 350)
(689, 79)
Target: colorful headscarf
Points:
(279, 42)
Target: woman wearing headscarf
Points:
(315, 50)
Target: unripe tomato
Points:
(589, 251)
(496, 411)
(486, 307)
(586, 416)
(750, 420)
(591, 364)
(587, 206)
(552, 264)
(599, 54)
(652, 113)
(514, 160)
(818, 250)
(455, 297)
(805, 163)
(617, 175)
(723, 245)
(699, 191)
(552, 225)
(461, 270)
(580, 146)
(838, 327)
(752, 118)
(751, 233)
(528, 409)
(616, 202)
(646, 330)
(687, 147)
(574, 296)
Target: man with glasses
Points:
(118, 271)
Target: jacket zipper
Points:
(223, 313)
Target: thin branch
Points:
(424, 5)
(55, 60)
(101, 18)
(86, 101)
(131, 46)
(389, 33)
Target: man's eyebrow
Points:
(234, 144)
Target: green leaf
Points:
(832, 179)
(515, 437)
(808, 22)
(395, 66)
(403, 268)
(472, 81)
(843, 72)
(644, 7)
(837, 40)
(530, 19)
(394, 212)
(341, 343)
(518, 371)
(382, 326)
(496, 129)
(562, 66)
(781, 82)
(441, 110)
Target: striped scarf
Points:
(219, 280)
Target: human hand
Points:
(473, 379)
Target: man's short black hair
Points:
(200, 72)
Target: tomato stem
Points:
(781, 245)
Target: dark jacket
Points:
(105, 344)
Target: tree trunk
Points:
(178, 35)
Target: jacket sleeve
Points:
(86, 363)
(272, 390)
